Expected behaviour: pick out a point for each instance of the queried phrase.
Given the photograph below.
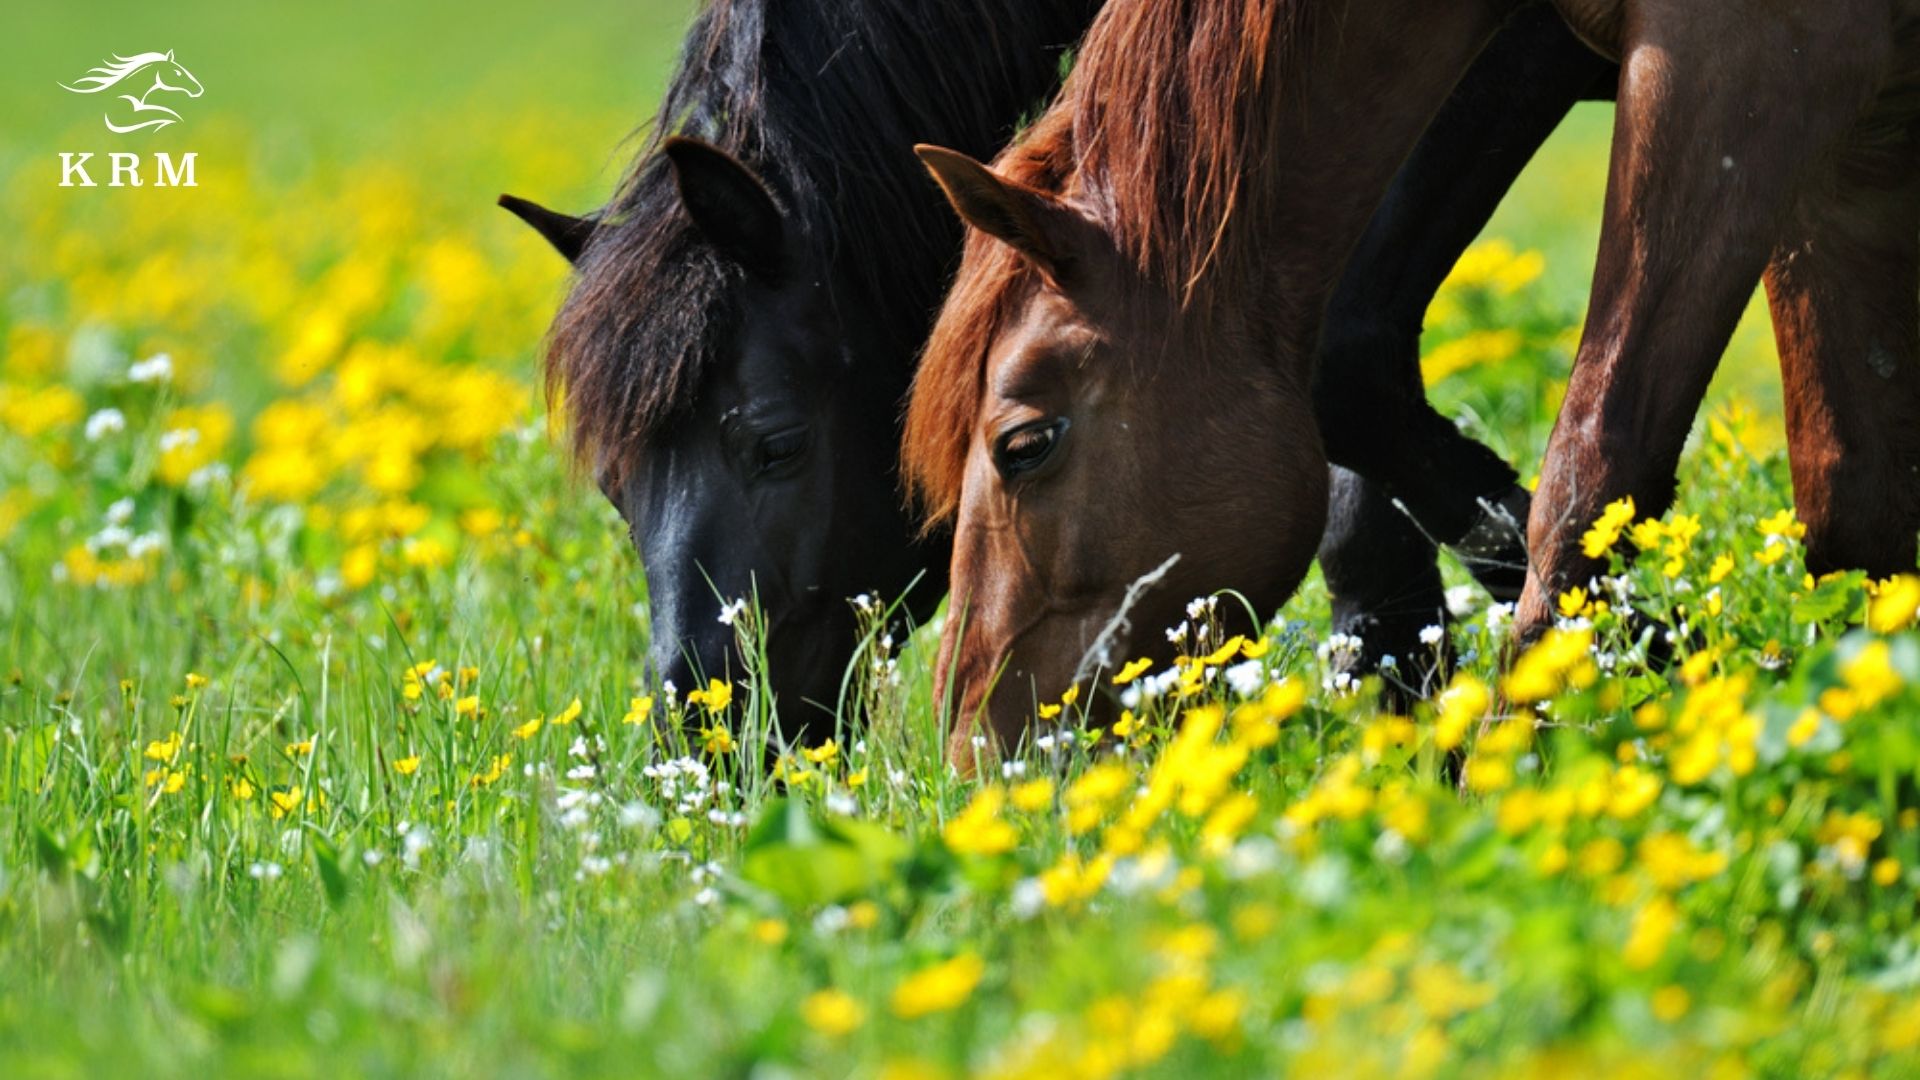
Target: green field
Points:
(325, 743)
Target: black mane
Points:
(825, 101)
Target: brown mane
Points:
(1157, 133)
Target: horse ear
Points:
(568, 235)
(169, 54)
(728, 203)
(1033, 223)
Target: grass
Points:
(273, 799)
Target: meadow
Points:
(326, 745)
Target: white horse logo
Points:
(168, 75)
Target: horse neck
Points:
(1362, 89)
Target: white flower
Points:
(580, 772)
(1010, 770)
(730, 612)
(1499, 616)
(145, 544)
(155, 368)
(120, 512)
(1431, 636)
(1460, 600)
(264, 871)
(1244, 677)
(1029, 898)
(104, 423)
(178, 439)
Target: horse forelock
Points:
(825, 106)
(1156, 130)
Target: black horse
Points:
(747, 309)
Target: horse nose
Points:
(689, 660)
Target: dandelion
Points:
(939, 988)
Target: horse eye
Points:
(780, 449)
(1027, 447)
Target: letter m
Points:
(175, 177)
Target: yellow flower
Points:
(1557, 659)
(195, 681)
(1464, 701)
(1605, 532)
(1722, 566)
(638, 710)
(1893, 604)
(467, 706)
(770, 931)
(1670, 1003)
(832, 1012)
(824, 754)
(1886, 872)
(169, 781)
(529, 729)
(567, 715)
(978, 829)
(716, 697)
(165, 749)
(1573, 602)
(1133, 670)
(1034, 795)
(1870, 675)
(406, 766)
(1652, 927)
(1804, 728)
(301, 748)
(944, 986)
(495, 769)
(285, 802)
(1783, 526)
(240, 788)
(717, 740)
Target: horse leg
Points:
(1384, 584)
(1697, 194)
(1379, 564)
(1844, 289)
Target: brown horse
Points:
(1751, 138)
(1120, 373)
